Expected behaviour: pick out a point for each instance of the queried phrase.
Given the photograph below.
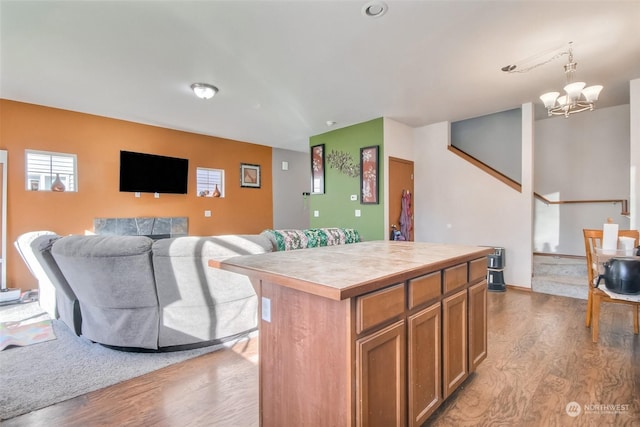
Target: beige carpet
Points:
(49, 372)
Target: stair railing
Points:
(624, 204)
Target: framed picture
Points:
(369, 175)
(317, 169)
(249, 175)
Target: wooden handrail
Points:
(623, 202)
(488, 169)
(517, 186)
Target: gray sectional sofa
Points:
(135, 293)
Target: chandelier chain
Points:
(553, 58)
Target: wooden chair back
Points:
(593, 240)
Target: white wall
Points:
(455, 202)
(584, 157)
(398, 143)
(489, 139)
(634, 154)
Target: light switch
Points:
(207, 214)
(137, 194)
(358, 213)
(316, 213)
(354, 197)
(285, 166)
(156, 195)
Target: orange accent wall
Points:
(97, 142)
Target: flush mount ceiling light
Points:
(375, 9)
(578, 98)
(204, 90)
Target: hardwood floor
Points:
(541, 359)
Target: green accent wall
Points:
(335, 206)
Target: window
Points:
(208, 181)
(42, 168)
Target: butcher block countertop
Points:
(345, 271)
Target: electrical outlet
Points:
(137, 194)
(156, 195)
(266, 309)
(354, 197)
(207, 214)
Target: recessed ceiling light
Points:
(375, 9)
(204, 90)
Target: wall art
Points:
(249, 175)
(317, 169)
(343, 162)
(369, 175)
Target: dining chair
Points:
(593, 240)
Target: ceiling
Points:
(285, 68)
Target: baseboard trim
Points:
(519, 288)
(559, 255)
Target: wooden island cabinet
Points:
(367, 334)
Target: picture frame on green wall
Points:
(317, 169)
(369, 171)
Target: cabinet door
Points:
(454, 342)
(425, 389)
(477, 324)
(381, 378)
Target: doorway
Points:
(400, 181)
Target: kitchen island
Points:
(367, 334)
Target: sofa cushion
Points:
(198, 302)
(67, 307)
(331, 236)
(285, 240)
(113, 279)
(214, 247)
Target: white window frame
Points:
(206, 180)
(44, 176)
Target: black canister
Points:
(621, 275)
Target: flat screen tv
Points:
(150, 173)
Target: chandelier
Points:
(578, 98)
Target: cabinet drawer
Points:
(477, 269)
(377, 307)
(455, 277)
(424, 288)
